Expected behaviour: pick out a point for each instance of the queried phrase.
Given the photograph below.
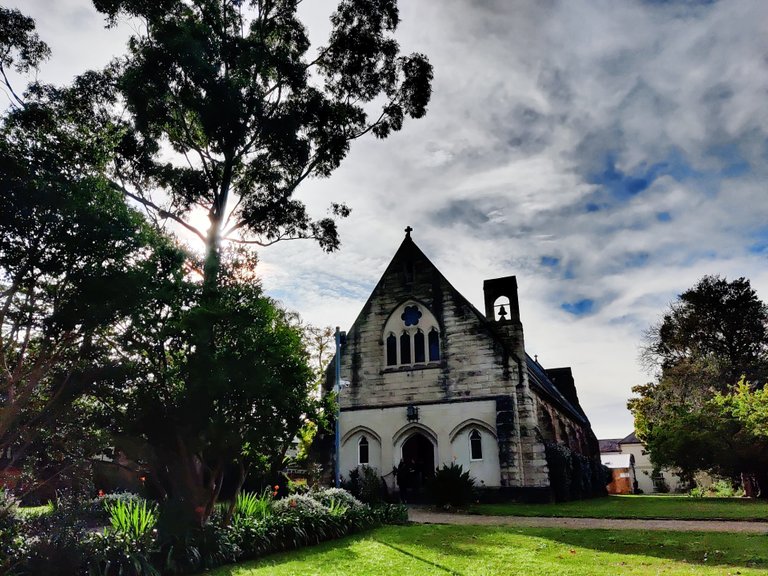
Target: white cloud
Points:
(531, 100)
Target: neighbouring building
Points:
(433, 381)
(647, 478)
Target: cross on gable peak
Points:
(408, 231)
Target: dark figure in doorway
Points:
(403, 479)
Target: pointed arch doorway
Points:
(418, 453)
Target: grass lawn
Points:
(484, 550)
(680, 507)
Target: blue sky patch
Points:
(549, 261)
(759, 241)
(664, 217)
(636, 260)
(592, 207)
(733, 162)
(579, 307)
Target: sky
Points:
(608, 154)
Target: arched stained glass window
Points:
(475, 445)
(391, 350)
(405, 348)
(434, 345)
(362, 451)
(418, 348)
(411, 338)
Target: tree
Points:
(74, 261)
(191, 431)
(715, 334)
(229, 87)
(20, 49)
(717, 321)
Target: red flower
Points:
(101, 493)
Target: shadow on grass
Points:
(644, 506)
(704, 548)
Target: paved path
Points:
(422, 516)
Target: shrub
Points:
(12, 541)
(298, 504)
(573, 475)
(134, 519)
(366, 485)
(719, 489)
(217, 545)
(125, 547)
(391, 514)
(451, 485)
(117, 554)
(252, 505)
(339, 495)
(59, 544)
(697, 492)
(723, 489)
(97, 507)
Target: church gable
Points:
(418, 339)
(433, 380)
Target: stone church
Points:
(432, 380)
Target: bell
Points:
(502, 312)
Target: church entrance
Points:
(419, 458)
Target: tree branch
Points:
(160, 211)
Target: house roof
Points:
(609, 445)
(630, 439)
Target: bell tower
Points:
(501, 304)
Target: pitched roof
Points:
(609, 445)
(630, 439)
(539, 380)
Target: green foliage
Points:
(451, 485)
(573, 476)
(718, 489)
(12, 541)
(705, 411)
(129, 547)
(217, 545)
(75, 262)
(58, 542)
(366, 485)
(20, 46)
(252, 506)
(116, 554)
(716, 320)
(329, 495)
(749, 406)
(134, 519)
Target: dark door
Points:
(419, 456)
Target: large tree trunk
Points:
(755, 484)
(189, 491)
